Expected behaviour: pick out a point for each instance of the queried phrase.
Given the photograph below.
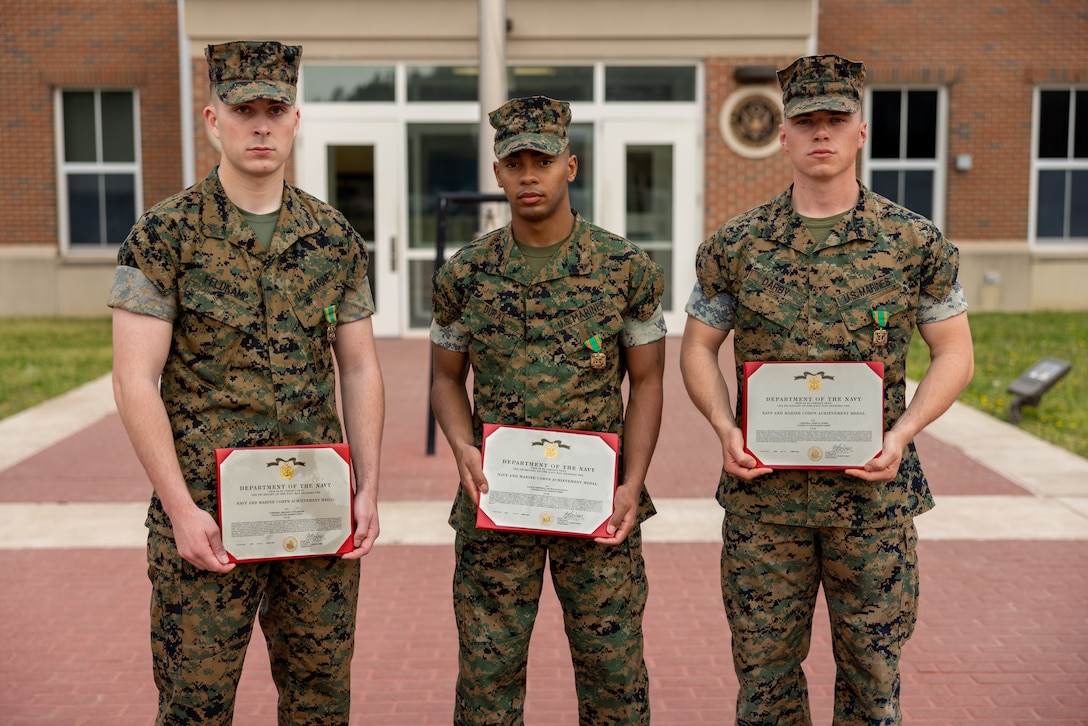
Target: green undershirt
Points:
(820, 227)
(263, 225)
(537, 257)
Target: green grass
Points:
(43, 357)
(1006, 345)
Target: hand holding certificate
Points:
(814, 415)
(546, 481)
(280, 502)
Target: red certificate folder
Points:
(281, 463)
(555, 451)
(817, 415)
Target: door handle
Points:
(393, 253)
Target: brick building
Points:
(977, 112)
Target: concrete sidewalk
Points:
(1002, 639)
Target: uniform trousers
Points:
(602, 590)
(770, 576)
(201, 624)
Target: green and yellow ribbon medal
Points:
(597, 360)
(880, 335)
(330, 318)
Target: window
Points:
(1061, 166)
(905, 149)
(443, 83)
(570, 83)
(348, 84)
(99, 169)
(656, 84)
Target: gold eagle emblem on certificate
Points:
(287, 466)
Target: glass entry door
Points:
(355, 167)
(649, 196)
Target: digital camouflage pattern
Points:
(770, 581)
(313, 598)
(802, 301)
(244, 70)
(528, 334)
(533, 122)
(531, 367)
(788, 532)
(249, 364)
(603, 591)
(821, 83)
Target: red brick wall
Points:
(734, 183)
(52, 44)
(990, 56)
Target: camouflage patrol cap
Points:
(821, 83)
(246, 70)
(533, 122)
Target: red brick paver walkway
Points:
(1002, 637)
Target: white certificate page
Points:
(542, 480)
(278, 503)
(827, 415)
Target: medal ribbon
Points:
(594, 344)
(330, 314)
(880, 317)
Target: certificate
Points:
(548, 481)
(814, 415)
(282, 502)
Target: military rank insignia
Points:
(880, 335)
(597, 360)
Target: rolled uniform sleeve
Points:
(132, 291)
(719, 311)
(453, 337)
(931, 310)
(641, 332)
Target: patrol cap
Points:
(533, 122)
(246, 70)
(821, 83)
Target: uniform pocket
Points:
(490, 327)
(578, 334)
(877, 315)
(214, 316)
(768, 309)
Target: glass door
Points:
(355, 167)
(649, 196)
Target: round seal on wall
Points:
(749, 121)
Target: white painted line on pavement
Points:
(26, 433)
(120, 525)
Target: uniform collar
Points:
(574, 258)
(785, 226)
(221, 219)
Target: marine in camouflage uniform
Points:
(248, 363)
(525, 330)
(848, 288)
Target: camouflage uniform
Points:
(249, 365)
(525, 337)
(790, 297)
